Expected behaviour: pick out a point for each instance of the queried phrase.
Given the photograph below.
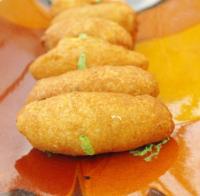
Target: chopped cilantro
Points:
(82, 36)
(142, 151)
(49, 154)
(154, 153)
(153, 149)
(48, 2)
(165, 140)
(82, 61)
(86, 145)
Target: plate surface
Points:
(139, 5)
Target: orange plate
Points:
(174, 172)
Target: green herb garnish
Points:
(153, 149)
(86, 145)
(142, 151)
(82, 36)
(154, 153)
(49, 154)
(82, 61)
(165, 140)
(49, 2)
(98, 1)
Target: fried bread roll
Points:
(97, 27)
(118, 12)
(81, 123)
(61, 5)
(127, 79)
(96, 52)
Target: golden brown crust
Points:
(65, 57)
(113, 122)
(128, 79)
(97, 27)
(61, 5)
(118, 12)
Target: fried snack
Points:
(97, 52)
(128, 79)
(118, 12)
(61, 5)
(97, 27)
(87, 123)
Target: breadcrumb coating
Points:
(111, 122)
(127, 79)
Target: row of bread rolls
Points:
(93, 94)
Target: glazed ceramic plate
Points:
(139, 5)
